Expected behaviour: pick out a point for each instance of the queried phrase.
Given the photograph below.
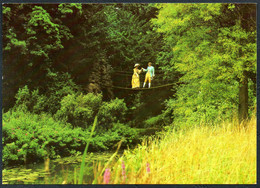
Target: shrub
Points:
(157, 121)
(111, 137)
(30, 101)
(79, 110)
(112, 112)
(59, 86)
(32, 136)
(125, 131)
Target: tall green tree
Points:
(31, 34)
(84, 56)
(132, 40)
(63, 48)
(130, 34)
(214, 47)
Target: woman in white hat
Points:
(135, 77)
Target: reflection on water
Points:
(61, 171)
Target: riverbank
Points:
(29, 137)
(224, 154)
(63, 169)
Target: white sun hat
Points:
(136, 65)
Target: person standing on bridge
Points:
(149, 75)
(135, 77)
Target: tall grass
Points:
(225, 154)
(98, 172)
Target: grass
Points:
(225, 154)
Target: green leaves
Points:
(41, 33)
(79, 110)
(210, 48)
(130, 35)
(30, 101)
(32, 135)
(36, 136)
(70, 8)
(112, 112)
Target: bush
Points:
(31, 136)
(79, 110)
(197, 104)
(112, 112)
(128, 133)
(59, 86)
(30, 101)
(157, 121)
(117, 133)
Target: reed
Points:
(105, 168)
(82, 166)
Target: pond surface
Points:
(61, 171)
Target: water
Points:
(61, 171)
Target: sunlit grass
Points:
(225, 154)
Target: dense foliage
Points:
(61, 60)
(213, 46)
(76, 57)
(30, 137)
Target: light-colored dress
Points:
(135, 78)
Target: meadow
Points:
(224, 154)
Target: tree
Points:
(65, 48)
(29, 40)
(130, 35)
(214, 47)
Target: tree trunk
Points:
(100, 80)
(243, 86)
(243, 99)
(47, 160)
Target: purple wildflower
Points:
(107, 176)
(123, 171)
(148, 168)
